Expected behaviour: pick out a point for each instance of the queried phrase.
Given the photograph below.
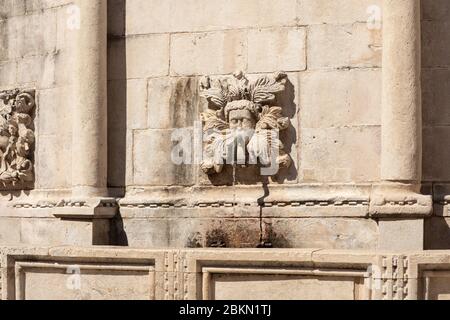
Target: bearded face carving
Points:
(242, 123)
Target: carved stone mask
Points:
(240, 110)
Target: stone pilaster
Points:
(89, 140)
(401, 158)
(89, 165)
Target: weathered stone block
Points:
(340, 98)
(66, 27)
(147, 56)
(183, 15)
(10, 231)
(208, 53)
(51, 172)
(11, 8)
(8, 73)
(337, 11)
(281, 287)
(401, 234)
(153, 163)
(172, 102)
(54, 106)
(146, 233)
(44, 232)
(4, 40)
(345, 46)
(281, 49)
(328, 154)
(335, 233)
(136, 104)
(34, 34)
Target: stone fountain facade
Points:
(117, 118)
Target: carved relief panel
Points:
(242, 123)
(16, 139)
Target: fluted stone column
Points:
(397, 200)
(89, 165)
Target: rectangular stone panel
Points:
(280, 284)
(41, 281)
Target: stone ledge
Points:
(198, 273)
(94, 208)
(401, 205)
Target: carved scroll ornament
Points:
(245, 110)
(16, 138)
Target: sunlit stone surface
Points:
(151, 128)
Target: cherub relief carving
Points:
(242, 123)
(16, 137)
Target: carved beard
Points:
(234, 147)
(241, 136)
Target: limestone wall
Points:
(36, 53)
(325, 46)
(157, 56)
(158, 52)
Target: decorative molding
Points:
(17, 139)
(279, 204)
(407, 204)
(176, 276)
(394, 277)
(105, 208)
(64, 204)
(21, 267)
(242, 118)
(209, 272)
